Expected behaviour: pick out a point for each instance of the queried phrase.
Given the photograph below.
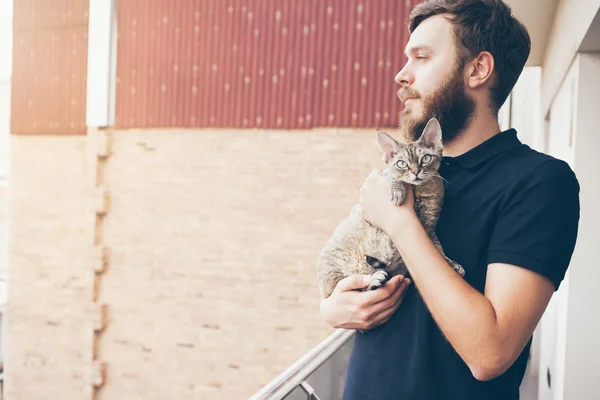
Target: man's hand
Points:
(377, 208)
(349, 308)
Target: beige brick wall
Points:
(50, 233)
(213, 237)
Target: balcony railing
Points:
(318, 375)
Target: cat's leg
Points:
(398, 193)
(455, 266)
(380, 276)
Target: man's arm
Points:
(487, 331)
(528, 254)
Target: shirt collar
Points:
(493, 146)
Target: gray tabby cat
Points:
(357, 247)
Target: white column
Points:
(101, 73)
(553, 327)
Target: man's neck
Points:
(483, 126)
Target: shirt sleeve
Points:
(537, 226)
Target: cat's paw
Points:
(398, 192)
(378, 279)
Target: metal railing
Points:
(293, 383)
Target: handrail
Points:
(296, 373)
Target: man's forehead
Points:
(431, 34)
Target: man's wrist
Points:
(401, 228)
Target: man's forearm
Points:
(465, 316)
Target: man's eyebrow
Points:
(416, 49)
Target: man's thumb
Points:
(354, 282)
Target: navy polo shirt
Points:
(504, 203)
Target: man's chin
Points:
(409, 122)
(407, 118)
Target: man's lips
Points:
(405, 95)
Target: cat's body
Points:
(357, 247)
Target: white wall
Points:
(553, 327)
(582, 362)
(570, 328)
(5, 88)
(525, 113)
(6, 14)
(571, 24)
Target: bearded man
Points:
(510, 218)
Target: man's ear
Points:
(480, 70)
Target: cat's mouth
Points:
(415, 181)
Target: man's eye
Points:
(401, 164)
(421, 57)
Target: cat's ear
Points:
(432, 135)
(388, 146)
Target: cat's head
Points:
(415, 162)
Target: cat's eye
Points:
(426, 159)
(401, 164)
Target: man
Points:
(510, 218)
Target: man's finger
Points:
(386, 313)
(353, 282)
(390, 302)
(387, 291)
(399, 293)
(372, 297)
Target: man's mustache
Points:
(407, 93)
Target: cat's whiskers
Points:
(440, 177)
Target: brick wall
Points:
(50, 231)
(212, 237)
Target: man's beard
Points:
(449, 104)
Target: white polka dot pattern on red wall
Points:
(273, 64)
(48, 81)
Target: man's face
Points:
(432, 82)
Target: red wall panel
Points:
(259, 63)
(49, 66)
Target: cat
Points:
(357, 247)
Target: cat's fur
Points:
(357, 247)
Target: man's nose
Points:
(404, 78)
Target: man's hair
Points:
(483, 25)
